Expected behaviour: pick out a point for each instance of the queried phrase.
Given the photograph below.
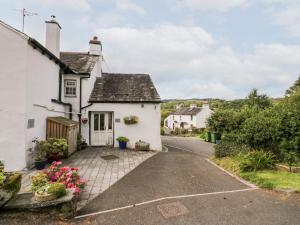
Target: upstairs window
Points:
(191, 117)
(70, 88)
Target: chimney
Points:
(95, 46)
(53, 36)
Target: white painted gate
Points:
(102, 128)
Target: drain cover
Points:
(172, 209)
(109, 157)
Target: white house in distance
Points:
(37, 82)
(188, 117)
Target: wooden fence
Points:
(61, 127)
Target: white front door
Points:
(102, 128)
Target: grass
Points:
(270, 179)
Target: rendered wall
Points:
(148, 128)
(27, 77)
(42, 84)
(12, 98)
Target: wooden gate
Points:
(61, 127)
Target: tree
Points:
(258, 101)
(292, 90)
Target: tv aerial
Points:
(24, 14)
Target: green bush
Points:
(54, 147)
(12, 182)
(162, 131)
(177, 131)
(229, 148)
(122, 139)
(255, 160)
(261, 131)
(2, 178)
(57, 189)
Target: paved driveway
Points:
(180, 172)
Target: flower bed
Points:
(57, 174)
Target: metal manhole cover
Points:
(109, 157)
(172, 209)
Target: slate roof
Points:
(81, 62)
(187, 111)
(131, 88)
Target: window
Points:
(109, 121)
(191, 117)
(102, 122)
(96, 122)
(70, 88)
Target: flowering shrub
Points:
(68, 176)
(38, 181)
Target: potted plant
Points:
(122, 142)
(50, 191)
(40, 155)
(56, 149)
(129, 120)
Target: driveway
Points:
(181, 187)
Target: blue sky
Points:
(192, 48)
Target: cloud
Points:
(190, 62)
(128, 5)
(77, 5)
(286, 13)
(213, 5)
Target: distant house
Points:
(188, 117)
(37, 82)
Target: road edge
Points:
(232, 175)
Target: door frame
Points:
(90, 127)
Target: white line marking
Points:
(164, 198)
(232, 175)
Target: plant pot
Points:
(40, 165)
(122, 145)
(53, 158)
(44, 197)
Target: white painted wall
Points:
(42, 84)
(12, 98)
(27, 77)
(148, 128)
(199, 120)
(203, 116)
(87, 87)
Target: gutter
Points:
(65, 104)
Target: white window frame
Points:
(70, 86)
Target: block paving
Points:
(99, 173)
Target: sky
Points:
(191, 48)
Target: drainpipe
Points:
(80, 100)
(60, 83)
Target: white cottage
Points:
(37, 82)
(188, 117)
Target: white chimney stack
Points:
(53, 36)
(95, 46)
